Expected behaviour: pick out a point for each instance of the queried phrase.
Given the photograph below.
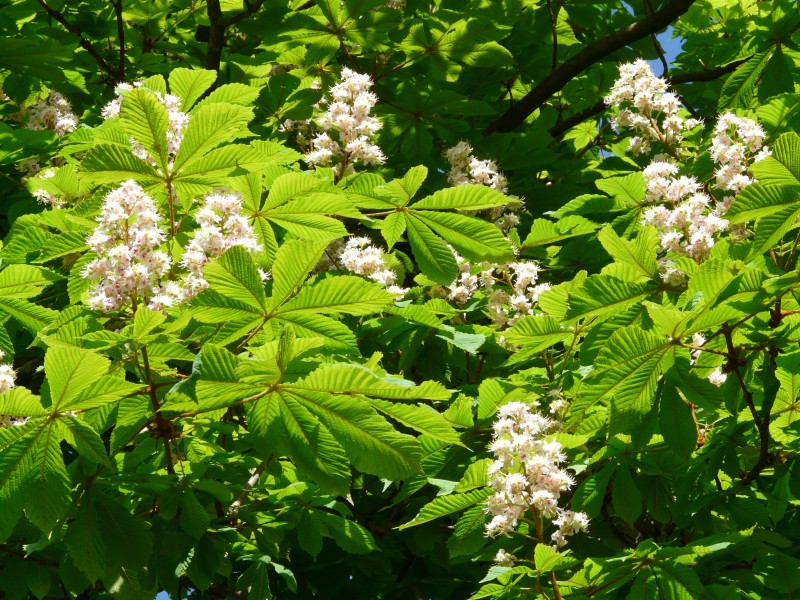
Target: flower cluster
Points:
(347, 127)
(647, 107)
(222, 226)
(465, 168)
(358, 255)
(54, 113)
(737, 142)
(511, 288)
(688, 218)
(129, 265)
(361, 257)
(178, 120)
(7, 376)
(685, 217)
(526, 476)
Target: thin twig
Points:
(85, 44)
(554, 28)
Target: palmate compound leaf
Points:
(625, 375)
(31, 459)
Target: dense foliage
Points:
(376, 299)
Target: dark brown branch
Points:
(556, 80)
(164, 426)
(762, 424)
(216, 35)
(249, 9)
(85, 44)
(677, 79)
(121, 35)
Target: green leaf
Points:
(639, 253)
(235, 276)
(537, 332)
(446, 505)
(355, 379)
(32, 316)
(434, 258)
(348, 535)
(312, 447)
(190, 84)
(421, 418)
(85, 440)
(50, 490)
(145, 119)
(340, 294)
(626, 374)
(371, 443)
(476, 239)
(605, 296)
(625, 496)
(463, 197)
(112, 164)
(293, 262)
(70, 371)
(544, 232)
(676, 423)
(738, 89)
(209, 126)
(19, 402)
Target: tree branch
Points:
(249, 9)
(677, 79)
(557, 79)
(216, 35)
(85, 44)
(121, 35)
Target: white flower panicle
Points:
(347, 127)
(129, 265)
(526, 474)
(53, 113)
(737, 143)
(7, 376)
(222, 226)
(647, 107)
(361, 257)
(465, 168)
(686, 218)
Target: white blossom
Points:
(526, 473)
(129, 263)
(347, 126)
